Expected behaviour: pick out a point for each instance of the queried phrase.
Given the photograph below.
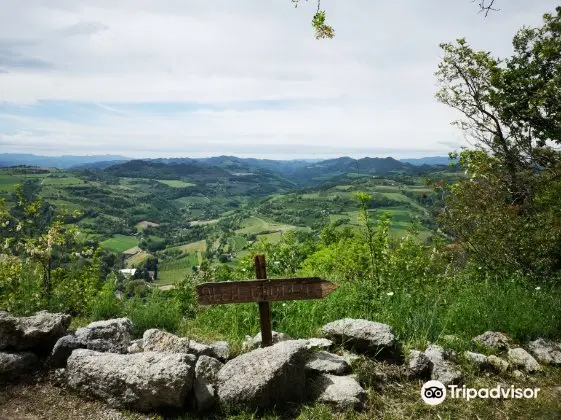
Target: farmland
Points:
(182, 222)
(120, 243)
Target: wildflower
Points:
(538, 288)
(389, 293)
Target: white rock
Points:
(545, 351)
(264, 378)
(113, 335)
(521, 358)
(341, 392)
(363, 336)
(324, 362)
(204, 388)
(143, 381)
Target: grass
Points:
(170, 272)
(465, 309)
(199, 246)
(173, 183)
(120, 243)
(257, 225)
(140, 226)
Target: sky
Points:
(162, 78)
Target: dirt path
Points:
(39, 399)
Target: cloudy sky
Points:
(147, 78)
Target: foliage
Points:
(506, 214)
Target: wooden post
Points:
(264, 308)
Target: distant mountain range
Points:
(214, 169)
(62, 162)
(434, 160)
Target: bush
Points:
(106, 305)
(158, 310)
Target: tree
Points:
(323, 30)
(506, 212)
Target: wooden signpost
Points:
(263, 291)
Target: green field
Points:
(256, 225)
(175, 183)
(172, 271)
(120, 243)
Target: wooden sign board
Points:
(263, 290)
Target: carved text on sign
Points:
(263, 290)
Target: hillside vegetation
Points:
(432, 251)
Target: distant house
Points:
(128, 272)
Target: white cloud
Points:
(371, 87)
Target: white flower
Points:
(538, 288)
(389, 293)
(284, 304)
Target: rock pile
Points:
(162, 370)
(24, 341)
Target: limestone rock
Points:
(546, 352)
(158, 340)
(162, 341)
(63, 349)
(136, 346)
(113, 335)
(255, 342)
(364, 336)
(493, 340)
(15, 365)
(341, 392)
(324, 362)
(265, 377)
(419, 365)
(220, 350)
(443, 369)
(319, 343)
(521, 358)
(206, 371)
(38, 332)
(478, 359)
(498, 364)
(143, 381)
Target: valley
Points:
(183, 212)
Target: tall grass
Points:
(465, 309)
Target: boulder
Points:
(419, 365)
(341, 392)
(162, 341)
(546, 352)
(252, 343)
(443, 369)
(15, 365)
(521, 358)
(324, 362)
(38, 332)
(364, 337)
(143, 381)
(480, 360)
(264, 378)
(113, 335)
(63, 349)
(220, 350)
(319, 344)
(204, 388)
(493, 340)
(498, 364)
(136, 346)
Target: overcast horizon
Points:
(166, 78)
